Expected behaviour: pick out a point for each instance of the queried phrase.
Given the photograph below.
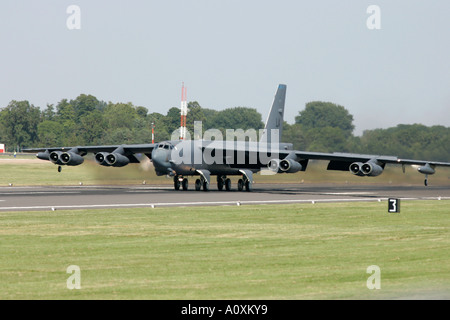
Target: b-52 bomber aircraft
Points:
(203, 158)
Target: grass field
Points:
(26, 170)
(303, 251)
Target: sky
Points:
(233, 53)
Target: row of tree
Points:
(326, 127)
(320, 126)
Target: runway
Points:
(153, 196)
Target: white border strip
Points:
(206, 203)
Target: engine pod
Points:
(71, 159)
(290, 166)
(117, 160)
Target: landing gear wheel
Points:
(426, 182)
(240, 184)
(185, 184)
(176, 183)
(248, 186)
(220, 183)
(227, 184)
(198, 185)
(205, 186)
(59, 168)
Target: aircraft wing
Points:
(354, 157)
(337, 160)
(111, 155)
(133, 148)
(357, 164)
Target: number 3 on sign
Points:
(394, 205)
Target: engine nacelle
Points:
(426, 169)
(274, 165)
(111, 159)
(371, 169)
(43, 155)
(355, 168)
(100, 158)
(71, 159)
(290, 166)
(117, 160)
(55, 157)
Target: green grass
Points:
(23, 172)
(303, 251)
(39, 172)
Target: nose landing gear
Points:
(179, 181)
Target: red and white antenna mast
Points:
(183, 112)
(153, 132)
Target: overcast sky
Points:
(233, 53)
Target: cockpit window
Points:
(166, 146)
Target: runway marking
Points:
(346, 193)
(206, 203)
(38, 192)
(140, 189)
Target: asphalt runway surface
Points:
(152, 196)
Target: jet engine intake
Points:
(371, 169)
(290, 166)
(71, 159)
(117, 160)
(274, 165)
(55, 157)
(100, 158)
(355, 168)
(113, 159)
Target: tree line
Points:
(320, 126)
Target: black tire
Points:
(198, 185)
(220, 184)
(185, 184)
(240, 184)
(227, 184)
(176, 184)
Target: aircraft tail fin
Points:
(274, 123)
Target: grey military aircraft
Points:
(203, 158)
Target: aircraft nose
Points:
(159, 159)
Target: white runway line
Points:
(25, 193)
(347, 193)
(205, 203)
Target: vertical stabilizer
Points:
(274, 122)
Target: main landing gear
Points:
(179, 182)
(223, 183)
(201, 183)
(245, 184)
